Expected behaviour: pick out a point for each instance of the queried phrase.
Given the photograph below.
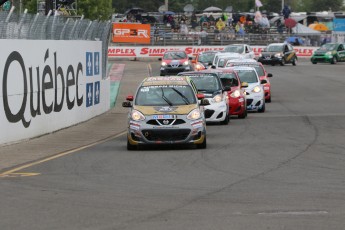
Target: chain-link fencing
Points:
(48, 27)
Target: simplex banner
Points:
(158, 51)
(48, 85)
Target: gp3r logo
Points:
(131, 32)
(93, 89)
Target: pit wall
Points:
(47, 85)
(158, 51)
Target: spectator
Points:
(286, 11)
(203, 36)
(220, 25)
(264, 22)
(280, 26)
(204, 21)
(211, 20)
(183, 29)
(194, 21)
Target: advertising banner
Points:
(339, 24)
(49, 85)
(158, 51)
(131, 33)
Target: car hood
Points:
(176, 61)
(157, 110)
(269, 53)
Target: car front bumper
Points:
(174, 70)
(151, 132)
(216, 112)
(255, 101)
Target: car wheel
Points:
(314, 62)
(203, 145)
(243, 115)
(294, 62)
(282, 62)
(273, 64)
(269, 100)
(226, 120)
(334, 60)
(130, 146)
(263, 108)
(162, 74)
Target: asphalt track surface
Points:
(283, 169)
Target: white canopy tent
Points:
(304, 30)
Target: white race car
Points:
(254, 92)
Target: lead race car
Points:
(166, 110)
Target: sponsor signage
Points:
(339, 24)
(48, 85)
(131, 33)
(158, 51)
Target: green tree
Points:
(325, 5)
(95, 9)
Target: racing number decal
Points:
(290, 56)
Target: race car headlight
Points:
(163, 63)
(137, 116)
(198, 67)
(260, 55)
(256, 89)
(186, 63)
(194, 114)
(329, 53)
(218, 98)
(235, 94)
(278, 55)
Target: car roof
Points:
(245, 60)
(277, 44)
(175, 51)
(244, 68)
(173, 80)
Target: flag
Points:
(258, 3)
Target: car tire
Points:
(269, 100)
(243, 115)
(294, 62)
(263, 108)
(334, 60)
(226, 120)
(314, 62)
(203, 145)
(273, 64)
(130, 146)
(282, 63)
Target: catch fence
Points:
(55, 27)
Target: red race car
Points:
(174, 62)
(236, 95)
(260, 69)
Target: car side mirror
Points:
(200, 96)
(263, 81)
(159, 59)
(269, 75)
(204, 102)
(129, 98)
(213, 67)
(127, 104)
(227, 88)
(190, 58)
(244, 85)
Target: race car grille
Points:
(166, 122)
(175, 66)
(249, 101)
(166, 135)
(208, 113)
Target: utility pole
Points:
(283, 4)
(166, 5)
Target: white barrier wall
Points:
(49, 85)
(158, 51)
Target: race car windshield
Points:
(206, 83)
(248, 76)
(206, 58)
(229, 79)
(174, 55)
(275, 48)
(328, 47)
(235, 49)
(165, 95)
